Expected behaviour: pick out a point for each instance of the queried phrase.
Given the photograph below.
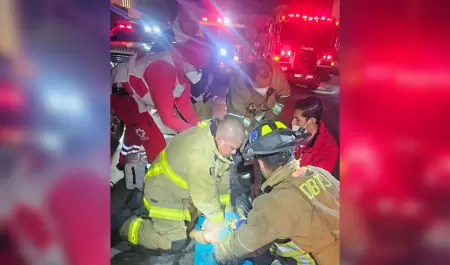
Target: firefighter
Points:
(140, 129)
(189, 175)
(255, 94)
(296, 218)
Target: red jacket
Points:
(126, 108)
(321, 151)
(157, 81)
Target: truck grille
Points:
(119, 57)
(307, 59)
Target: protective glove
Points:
(232, 218)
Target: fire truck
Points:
(304, 44)
(229, 38)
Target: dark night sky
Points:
(166, 9)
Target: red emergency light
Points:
(125, 26)
(284, 53)
(310, 18)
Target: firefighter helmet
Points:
(273, 138)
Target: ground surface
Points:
(123, 254)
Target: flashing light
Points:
(310, 18)
(227, 20)
(221, 64)
(283, 52)
(236, 58)
(223, 52)
(332, 64)
(276, 58)
(205, 19)
(309, 77)
(329, 57)
(156, 29)
(129, 27)
(337, 23)
(289, 53)
(147, 28)
(122, 26)
(219, 20)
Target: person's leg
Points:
(157, 234)
(151, 138)
(161, 229)
(131, 143)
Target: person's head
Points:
(259, 73)
(271, 145)
(229, 136)
(307, 114)
(270, 163)
(263, 73)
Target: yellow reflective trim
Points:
(305, 259)
(166, 213)
(133, 231)
(225, 199)
(265, 129)
(217, 218)
(163, 167)
(280, 125)
(203, 124)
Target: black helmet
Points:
(273, 140)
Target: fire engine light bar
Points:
(310, 18)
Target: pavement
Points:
(125, 254)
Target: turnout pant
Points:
(162, 234)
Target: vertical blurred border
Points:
(395, 161)
(54, 132)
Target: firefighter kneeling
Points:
(189, 175)
(296, 219)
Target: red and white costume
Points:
(158, 82)
(140, 129)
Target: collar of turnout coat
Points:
(211, 137)
(281, 174)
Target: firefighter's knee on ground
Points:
(179, 245)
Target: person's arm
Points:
(184, 106)
(258, 231)
(203, 190)
(161, 78)
(236, 98)
(328, 157)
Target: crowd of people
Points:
(294, 219)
